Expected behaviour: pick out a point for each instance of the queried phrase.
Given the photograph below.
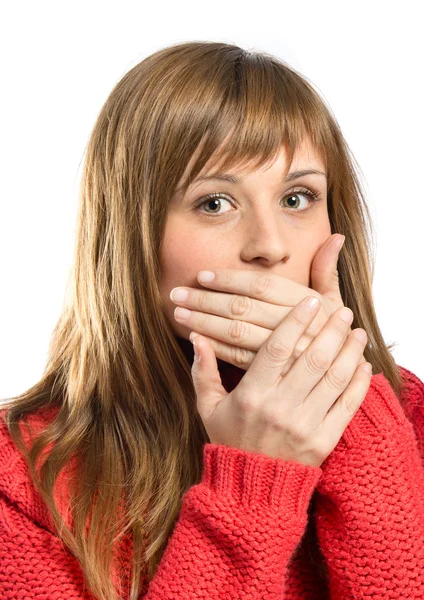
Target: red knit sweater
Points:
(257, 527)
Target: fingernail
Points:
(179, 294)
(340, 243)
(346, 314)
(192, 336)
(311, 303)
(182, 314)
(206, 276)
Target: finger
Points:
(231, 331)
(314, 363)
(337, 378)
(324, 273)
(277, 351)
(242, 358)
(239, 357)
(206, 378)
(343, 411)
(259, 285)
(234, 306)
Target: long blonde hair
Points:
(126, 408)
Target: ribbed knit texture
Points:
(256, 527)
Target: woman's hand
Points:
(248, 306)
(296, 412)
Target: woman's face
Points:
(262, 223)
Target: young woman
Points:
(274, 466)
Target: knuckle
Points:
(226, 277)
(347, 402)
(271, 418)
(317, 361)
(241, 306)
(337, 378)
(300, 432)
(238, 330)
(245, 403)
(203, 301)
(261, 284)
(277, 350)
(239, 356)
(202, 319)
(215, 378)
(299, 318)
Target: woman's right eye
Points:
(211, 199)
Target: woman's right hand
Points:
(294, 413)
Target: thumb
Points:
(206, 377)
(324, 273)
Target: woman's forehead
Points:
(305, 155)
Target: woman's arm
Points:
(370, 502)
(237, 529)
(235, 534)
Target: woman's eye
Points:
(294, 203)
(213, 202)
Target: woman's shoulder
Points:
(413, 393)
(29, 427)
(412, 400)
(10, 455)
(15, 480)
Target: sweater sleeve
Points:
(234, 536)
(237, 528)
(369, 503)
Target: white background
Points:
(61, 60)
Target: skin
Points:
(260, 229)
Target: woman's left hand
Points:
(237, 319)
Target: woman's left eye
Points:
(313, 196)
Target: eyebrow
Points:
(235, 179)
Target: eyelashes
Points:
(313, 195)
